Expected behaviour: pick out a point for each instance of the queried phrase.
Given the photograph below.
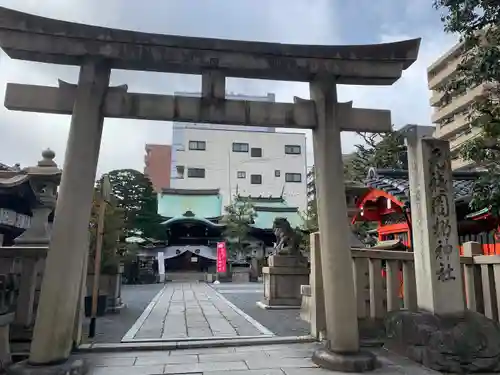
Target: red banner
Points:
(221, 257)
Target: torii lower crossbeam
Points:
(121, 104)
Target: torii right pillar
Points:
(342, 351)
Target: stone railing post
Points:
(472, 276)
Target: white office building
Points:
(179, 139)
(240, 160)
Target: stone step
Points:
(191, 344)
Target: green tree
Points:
(385, 150)
(135, 196)
(477, 22)
(309, 223)
(238, 216)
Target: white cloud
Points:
(408, 98)
(25, 135)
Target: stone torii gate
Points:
(97, 50)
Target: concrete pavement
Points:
(112, 327)
(192, 311)
(291, 359)
(280, 322)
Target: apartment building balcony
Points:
(457, 104)
(436, 97)
(446, 130)
(443, 75)
(464, 137)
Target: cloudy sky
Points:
(25, 135)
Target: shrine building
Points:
(194, 226)
(387, 202)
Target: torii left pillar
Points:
(52, 336)
(342, 351)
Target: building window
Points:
(256, 152)
(180, 171)
(292, 149)
(240, 147)
(241, 174)
(256, 179)
(198, 145)
(196, 172)
(293, 177)
(277, 173)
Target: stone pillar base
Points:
(460, 343)
(346, 362)
(282, 281)
(305, 308)
(73, 367)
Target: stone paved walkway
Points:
(291, 359)
(192, 311)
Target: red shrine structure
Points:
(387, 202)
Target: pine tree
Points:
(386, 150)
(238, 216)
(135, 195)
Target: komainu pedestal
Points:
(282, 280)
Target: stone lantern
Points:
(44, 179)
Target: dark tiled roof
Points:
(5, 167)
(395, 182)
(171, 191)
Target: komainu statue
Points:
(287, 239)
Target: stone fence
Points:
(385, 281)
(21, 273)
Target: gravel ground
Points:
(280, 322)
(112, 327)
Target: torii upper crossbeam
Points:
(28, 37)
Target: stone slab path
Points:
(192, 311)
(291, 359)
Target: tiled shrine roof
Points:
(395, 183)
(5, 167)
(269, 208)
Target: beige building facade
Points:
(450, 114)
